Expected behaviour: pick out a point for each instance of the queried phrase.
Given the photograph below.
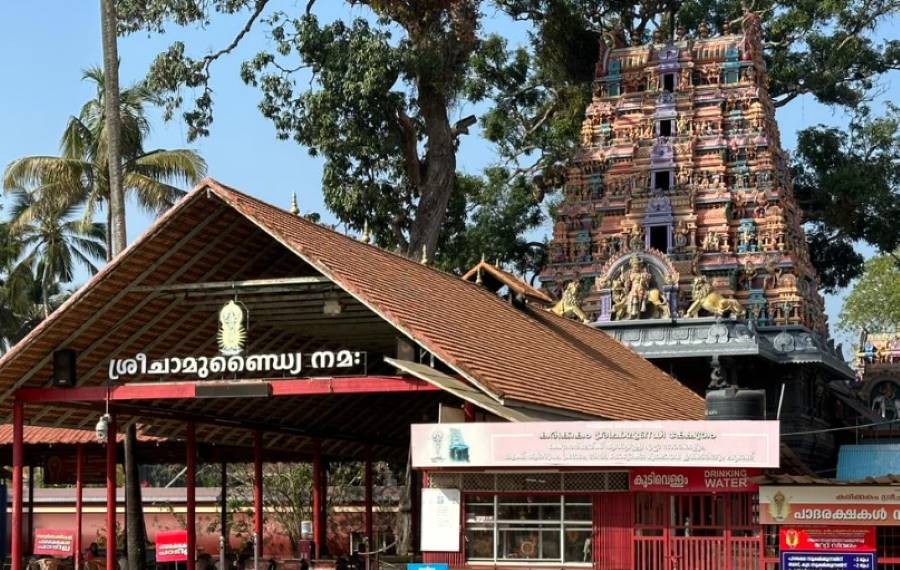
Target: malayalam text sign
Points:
(171, 546)
(878, 505)
(828, 539)
(725, 444)
(54, 542)
(694, 479)
(828, 561)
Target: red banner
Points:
(694, 479)
(828, 539)
(171, 546)
(52, 542)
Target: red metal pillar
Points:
(258, 490)
(18, 460)
(111, 547)
(370, 521)
(30, 541)
(191, 515)
(79, 506)
(318, 530)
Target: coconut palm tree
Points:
(54, 238)
(80, 176)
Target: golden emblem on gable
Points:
(232, 334)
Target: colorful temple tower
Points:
(680, 226)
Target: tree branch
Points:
(409, 146)
(790, 97)
(207, 60)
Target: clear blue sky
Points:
(45, 44)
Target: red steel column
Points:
(111, 554)
(370, 521)
(18, 460)
(258, 490)
(30, 541)
(191, 515)
(79, 505)
(318, 531)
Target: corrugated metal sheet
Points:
(868, 460)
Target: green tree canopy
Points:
(874, 302)
(378, 95)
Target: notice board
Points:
(440, 520)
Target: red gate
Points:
(696, 532)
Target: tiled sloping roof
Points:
(532, 357)
(514, 283)
(58, 436)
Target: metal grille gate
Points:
(696, 532)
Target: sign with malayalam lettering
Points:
(830, 505)
(171, 546)
(828, 561)
(694, 479)
(725, 444)
(440, 520)
(231, 362)
(828, 539)
(53, 542)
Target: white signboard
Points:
(440, 520)
(722, 444)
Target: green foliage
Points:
(874, 302)
(495, 229)
(53, 239)
(848, 184)
(374, 96)
(80, 176)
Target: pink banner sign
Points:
(54, 542)
(694, 479)
(722, 444)
(171, 546)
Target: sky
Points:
(46, 44)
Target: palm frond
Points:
(177, 166)
(30, 171)
(77, 140)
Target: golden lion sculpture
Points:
(712, 302)
(570, 303)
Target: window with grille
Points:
(539, 528)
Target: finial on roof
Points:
(424, 254)
(295, 209)
(366, 238)
(482, 257)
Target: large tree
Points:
(375, 95)
(109, 32)
(848, 182)
(874, 302)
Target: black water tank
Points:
(736, 404)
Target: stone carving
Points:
(632, 296)
(711, 301)
(720, 164)
(570, 302)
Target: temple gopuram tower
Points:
(680, 225)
